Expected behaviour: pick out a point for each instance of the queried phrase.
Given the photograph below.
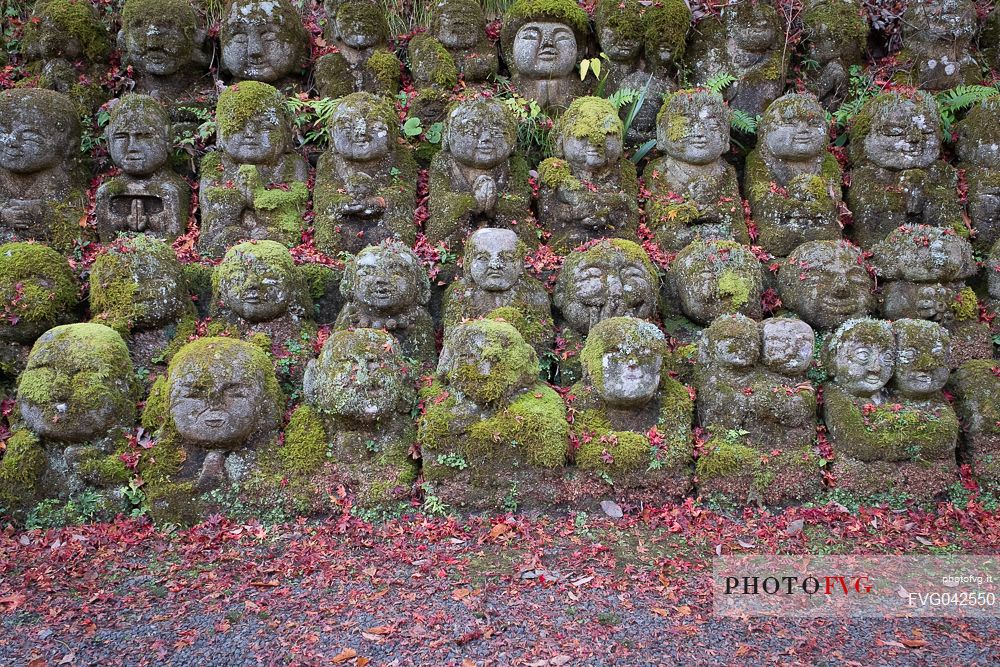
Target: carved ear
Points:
(424, 288)
(350, 275)
(202, 48)
(309, 388)
(968, 268)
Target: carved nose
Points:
(254, 46)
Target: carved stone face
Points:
(619, 46)
(256, 42)
(544, 50)
(586, 155)
(457, 28)
(921, 357)
(256, 280)
(787, 345)
(753, 26)
(145, 273)
(826, 283)
(479, 134)
(159, 46)
(716, 278)
(29, 143)
(493, 260)
(864, 356)
(261, 139)
(360, 134)
(903, 136)
(139, 142)
(923, 254)
(694, 133)
(631, 359)
(487, 360)
(386, 280)
(795, 128)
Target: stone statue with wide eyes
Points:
(366, 184)
(975, 387)
(363, 60)
(263, 40)
(494, 285)
(978, 149)
(386, 287)
(937, 39)
(542, 43)
(254, 187)
(42, 186)
(588, 191)
(693, 191)
(491, 432)
(836, 35)
(897, 176)
(712, 278)
(792, 181)
(826, 283)
(147, 197)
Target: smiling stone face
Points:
(480, 133)
(494, 259)
(861, 356)
(693, 127)
(487, 361)
(787, 345)
(753, 26)
(623, 358)
(713, 278)
(253, 125)
(732, 341)
(922, 253)
(794, 128)
(544, 50)
(902, 133)
(922, 355)
(160, 36)
(386, 279)
(590, 136)
(39, 129)
(256, 280)
(826, 283)
(139, 135)
(361, 132)
(263, 41)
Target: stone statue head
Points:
(160, 37)
(364, 127)
(359, 375)
(544, 40)
(897, 131)
(494, 259)
(619, 28)
(38, 287)
(590, 135)
(39, 130)
(458, 24)
(78, 384)
(387, 278)
(623, 359)
(610, 278)
(794, 128)
(263, 40)
(257, 280)
(923, 356)
(787, 345)
(860, 356)
(139, 135)
(65, 29)
(254, 127)
(222, 391)
(360, 24)
(693, 127)
(753, 24)
(480, 133)
(137, 284)
(713, 278)
(922, 253)
(979, 135)
(487, 361)
(834, 29)
(666, 26)
(731, 341)
(826, 283)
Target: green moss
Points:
(234, 266)
(554, 173)
(362, 18)
(241, 102)
(511, 361)
(627, 335)
(66, 19)
(561, 11)
(688, 103)
(36, 283)
(535, 423)
(735, 288)
(180, 13)
(431, 63)
(591, 118)
(623, 17)
(385, 66)
(723, 457)
(21, 467)
(965, 306)
(320, 279)
(304, 450)
(667, 24)
(843, 22)
(880, 106)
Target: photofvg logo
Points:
(856, 586)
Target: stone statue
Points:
(937, 36)
(729, 350)
(254, 187)
(460, 27)
(494, 285)
(693, 191)
(165, 46)
(993, 277)
(784, 403)
(836, 36)
(542, 42)
(263, 40)
(366, 184)
(363, 61)
(712, 278)
(42, 186)
(386, 287)
(827, 283)
(147, 197)
(975, 387)
(897, 177)
(619, 28)
(588, 190)
(792, 181)
(978, 149)
(476, 180)
(491, 432)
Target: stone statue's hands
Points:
(137, 219)
(485, 192)
(22, 214)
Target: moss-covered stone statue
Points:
(366, 184)
(542, 41)
(254, 187)
(826, 283)
(147, 197)
(476, 179)
(263, 40)
(937, 37)
(836, 35)
(39, 291)
(712, 278)
(747, 42)
(631, 422)
(729, 350)
(693, 191)
(459, 26)
(493, 285)
(993, 278)
(588, 190)
(897, 176)
(792, 181)
(978, 150)
(137, 288)
(75, 399)
(386, 287)
(976, 389)
(42, 185)
(363, 60)
(165, 46)
(903, 439)
(492, 436)
(619, 28)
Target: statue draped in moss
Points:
(993, 277)
(976, 388)
(897, 176)
(826, 283)
(363, 60)
(836, 35)
(386, 287)
(693, 191)
(729, 350)
(263, 40)
(366, 184)
(792, 181)
(713, 278)
(494, 285)
(542, 42)
(147, 197)
(937, 36)
(42, 184)
(164, 44)
(588, 190)
(619, 29)
(491, 434)
(254, 186)
(978, 149)
(631, 421)
(459, 26)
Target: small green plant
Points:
(433, 506)
(311, 119)
(452, 461)
(959, 98)
(510, 500)
(719, 82)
